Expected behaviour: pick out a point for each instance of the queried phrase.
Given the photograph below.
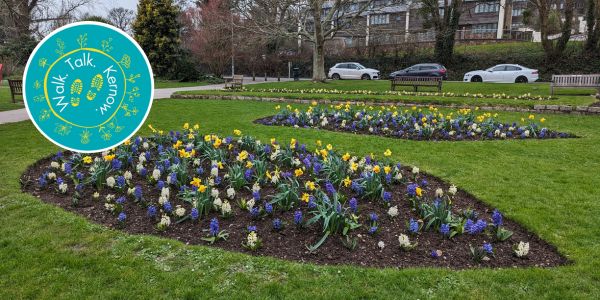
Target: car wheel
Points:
(336, 76)
(476, 78)
(365, 77)
(521, 79)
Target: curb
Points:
(561, 109)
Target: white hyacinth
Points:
(96, 195)
(217, 202)
(522, 249)
(142, 157)
(452, 190)
(252, 239)
(393, 211)
(110, 181)
(51, 176)
(226, 207)
(230, 193)
(415, 170)
(214, 193)
(381, 245)
(109, 198)
(197, 162)
(250, 204)
(162, 200)
(165, 221)
(439, 193)
(156, 174)
(127, 175)
(404, 241)
(145, 145)
(139, 167)
(214, 171)
(109, 206)
(63, 187)
(256, 187)
(54, 165)
(179, 211)
(130, 191)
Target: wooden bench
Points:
(237, 81)
(416, 82)
(575, 81)
(16, 88)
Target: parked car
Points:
(352, 70)
(423, 70)
(506, 73)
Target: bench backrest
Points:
(417, 80)
(238, 78)
(590, 80)
(16, 86)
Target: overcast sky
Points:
(101, 7)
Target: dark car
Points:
(424, 70)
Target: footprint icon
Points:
(96, 84)
(76, 88)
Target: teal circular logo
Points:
(88, 87)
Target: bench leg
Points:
(416, 88)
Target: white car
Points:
(504, 74)
(352, 70)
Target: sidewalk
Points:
(18, 115)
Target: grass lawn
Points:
(564, 96)
(167, 84)
(549, 186)
(6, 100)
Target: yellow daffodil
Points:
(298, 172)
(329, 147)
(207, 138)
(220, 165)
(242, 155)
(353, 166)
(151, 128)
(323, 153)
(347, 181)
(217, 143)
(109, 157)
(346, 156)
(305, 197)
(376, 169)
(127, 142)
(186, 126)
(319, 143)
(196, 182)
(310, 185)
(387, 153)
(202, 188)
(249, 164)
(542, 120)
(196, 126)
(237, 132)
(531, 117)
(177, 144)
(387, 169)
(87, 159)
(293, 143)
(419, 191)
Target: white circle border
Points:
(53, 33)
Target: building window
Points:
(485, 28)
(516, 12)
(379, 19)
(352, 7)
(487, 8)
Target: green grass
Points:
(550, 187)
(565, 96)
(6, 100)
(167, 84)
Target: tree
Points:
(545, 10)
(443, 18)
(592, 44)
(121, 17)
(315, 21)
(95, 18)
(156, 28)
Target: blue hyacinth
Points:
(487, 247)
(475, 227)
(160, 185)
(167, 207)
(214, 227)
(373, 217)
(445, 229)
(248, 174)
(79, 176)
(298, 217)
(268, 207)
(120, 200)
(255, 212)
(256, 195)
(277, 224)
(122, 217)
(413, 226)
(137, 193)
(497, 218)
(411, 189)
(251, 228)
(330, 188)
(353, 205)
(372, 229)
(387, 196)
(152, 211)
(194, 214)
(121, 181)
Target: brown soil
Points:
(291, 242)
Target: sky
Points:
(101, 7)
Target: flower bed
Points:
(527, 96)
(413, 124)
(293, 201)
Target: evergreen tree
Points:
(156, 28)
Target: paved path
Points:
(18, 115)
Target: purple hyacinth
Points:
(194, 214)
(435, 253)
(372, 229)
(116, 164)
(411, 189)
(251, 228)
(298, 217)
(268, 207)
(255, 212)
(79, 176)
(120, 200)
(121, 181)
(68, 168)
(373, 217)
(497, 218)
(137, 193)
(387, 196)
(317, 168)
(42, 182)
(122, 217)
(277, 224)
(330, 188)
(353, 205)
(143, 172)
(256, 195)
(214, 227)
(152, 211)
(475, 227)
(248, 174)
(487, 247)
(173, 177)
(160, 185)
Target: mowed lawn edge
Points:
(544, 185)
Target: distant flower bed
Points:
(284, 199)
(414, 123)
(527, 96)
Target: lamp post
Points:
(232, 48)
(264, 57)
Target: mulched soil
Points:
(437, 136)
(291, 242)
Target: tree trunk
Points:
(593, 24)
(318, 63)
